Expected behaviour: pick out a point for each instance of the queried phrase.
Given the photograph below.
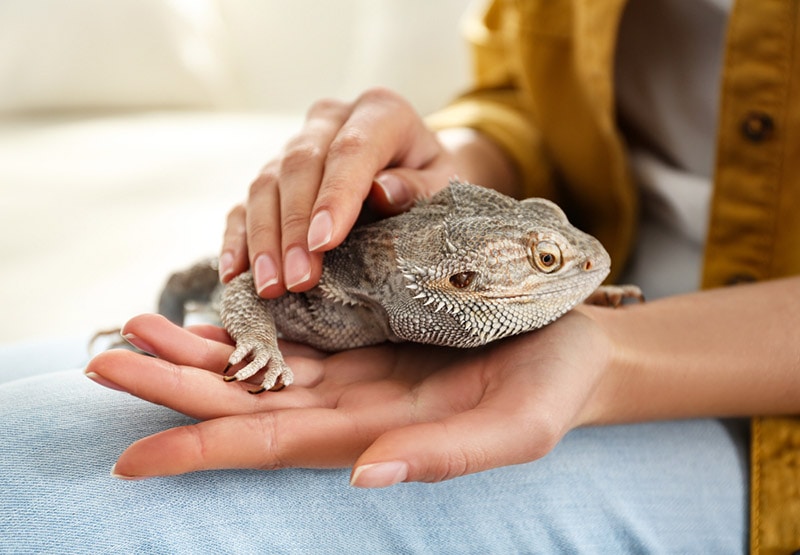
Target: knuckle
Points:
(235, 222)
(269, 430)
(261, 230)
(451, 464)
(265, 183)
(339, 190)
(270, 170)
(299, 155)
(380, 95)
(236, 214)
(350, 141)
(194, 437)
(457, 464)
(292, 221)
(325, 106)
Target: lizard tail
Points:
(197, 284)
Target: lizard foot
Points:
(262, 357)
(614, 295)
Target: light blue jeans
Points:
(669, 487)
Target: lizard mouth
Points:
(566, 285)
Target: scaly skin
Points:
(463, 268)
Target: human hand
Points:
(397, 412)
(307, 199)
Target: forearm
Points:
(726, 352)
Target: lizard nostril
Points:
(587, 265)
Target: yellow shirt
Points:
(544, 92)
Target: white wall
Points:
(128, 129)
(339, 48)
(275, 55)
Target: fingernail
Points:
(100, 380)
(320, 230)
(265, 272)
(395, 190)
(379, 475)
(139, 343)
(297, 267)
(225, 266)
(118, 476)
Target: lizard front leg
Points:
(252, 326)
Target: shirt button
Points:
(757, 126)
(737, 279)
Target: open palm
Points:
(398, 412)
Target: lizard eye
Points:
(462, 280)
(546, 256)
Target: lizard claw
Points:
(614, 295)
(262, 357)
(277, 387)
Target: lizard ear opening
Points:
(462, 280)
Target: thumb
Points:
(461, 444)
(395, 190)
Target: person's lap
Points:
(664, 487)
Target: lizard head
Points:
(498, 266)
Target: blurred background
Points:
(128, 129)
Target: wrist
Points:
(644, 377)
(611, 361)
(722, 353)
(479, 160)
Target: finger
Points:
(437, 451)
(288, 348)
(210, 332)
(309, 438)
(509, 429)
(194, 391)
(233, 258)
(209, 349)
(395, 190)
(191, 391)
(154, 334)
(301, 170)
(262, 222)
(383, 130)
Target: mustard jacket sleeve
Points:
(543, 92)
(495, 106)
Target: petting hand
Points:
(307, 199)
(396, 412)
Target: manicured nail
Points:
(225, 266)
(139, 343)
(379, 475)
(98, 379)
(118, 476)
(320, 230)
(297, 267)
(394, 189)
(265, 272)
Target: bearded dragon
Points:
(463, 268)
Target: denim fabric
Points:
(670, 487)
